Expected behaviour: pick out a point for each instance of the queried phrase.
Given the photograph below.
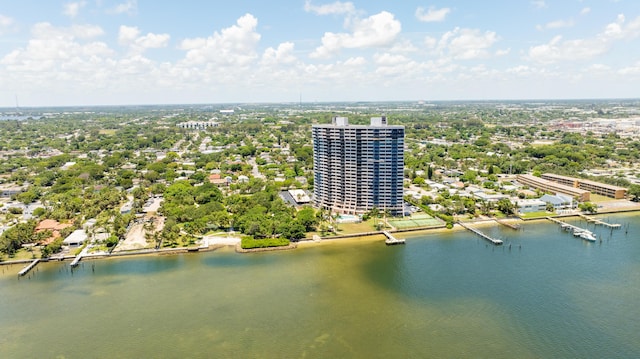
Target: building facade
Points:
(602, 189)
(358, 167)
(554, 187)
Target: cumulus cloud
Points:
(432, 15)
(5, 23)
(375, 31)
(73, 8)
(130, 36)
(335, 8)
(558, 24)
(539, 4)
(57, 52)
(585, 11)
(282, 55)
(128, 7)
(630, 70)
(466, 44)
(233, 46)
(558, 49)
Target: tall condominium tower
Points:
(358, 167)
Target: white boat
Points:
(586, 235)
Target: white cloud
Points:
(585, 11)
(5, 23)
(130, 36)
(128, 7)
(430, 42)
(233, 46)
(559, 50)
(389, 59)
(337, 7)
(57, 53)
(282, 55)
(620, 30)
(558, 24)
(466, 44)
(630, 70)
(432, 15)
(73, 8)
(582, 49)
(375, 31)
(539, 4)
(503, 52)
(355, 61)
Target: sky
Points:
(126, 52)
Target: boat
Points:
(586, 235)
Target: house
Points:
(76, 238)
(216, 179)
(531, 205)
(558, 201)
(51, 225)
(300, 196)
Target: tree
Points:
(588, 207)
(505, 206)
(307, 218)
(634, 192)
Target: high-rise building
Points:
(358, 167)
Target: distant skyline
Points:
(123, 52)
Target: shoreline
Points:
(310, 242)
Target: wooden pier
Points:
(599, 222)
(391, 240)
(26, 269)
(495, 241)
(76, 260)
(515, 227)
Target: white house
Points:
(76, 238)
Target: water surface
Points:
(544, 294)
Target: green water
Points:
(439, 296)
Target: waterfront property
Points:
(554, 187)
(444, 294)
(358, 167)
(602, 189)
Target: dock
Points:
(515, 227)
(391, 240)
(495, 241)
(76, 260)
(599, 222)
(26, 269)
(577, 231)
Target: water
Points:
(445, 295)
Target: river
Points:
(544, 294)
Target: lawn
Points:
(530, 215)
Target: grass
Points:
(107, 132)
(250, 243)
(22, 254)
(352, 228)
(541, 214)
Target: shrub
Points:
(250, 243)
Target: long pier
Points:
(599, 222)
(495, 241)
(391, 240)
(26, 269)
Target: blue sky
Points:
(118, 52)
